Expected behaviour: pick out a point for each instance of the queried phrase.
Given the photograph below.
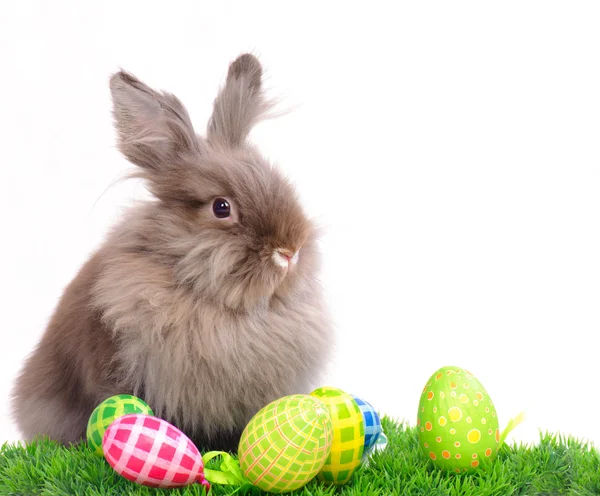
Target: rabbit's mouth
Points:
(284, 258)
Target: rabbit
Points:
(205, 300)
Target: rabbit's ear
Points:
(239, 105)
(154, 128)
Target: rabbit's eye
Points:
(221, 208)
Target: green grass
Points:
(556, 465)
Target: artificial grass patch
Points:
(556, 465)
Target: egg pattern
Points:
(286, 443)
(107, 412)
(457, 423)
(150, 451)
(348, 435)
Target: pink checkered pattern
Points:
(150, 451)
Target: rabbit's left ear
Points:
(154, 128)
(239, 105)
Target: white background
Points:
(450, 150)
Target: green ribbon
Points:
(230, 472)
(512, 423)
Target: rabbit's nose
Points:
(285, 257)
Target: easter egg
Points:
(457, 423)
(372, 422)
(152, 452)
(286, 443)
(107, 412)
(348, 435)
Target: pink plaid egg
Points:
(152, 452)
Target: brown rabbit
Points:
(204, 302)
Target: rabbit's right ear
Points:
(154, 128)
(239, 105)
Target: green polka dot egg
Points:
(457, 423)
(348, 435)
(107, 412)
(286, 443)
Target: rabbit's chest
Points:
(219, 367)
(282, 341)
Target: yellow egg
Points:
(286, 443)
(348, 435)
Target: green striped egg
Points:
(107, 412)
(348, 435)
(457, 422)
(286, 443)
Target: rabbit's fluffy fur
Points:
(198, 315)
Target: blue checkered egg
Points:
(372, 422)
